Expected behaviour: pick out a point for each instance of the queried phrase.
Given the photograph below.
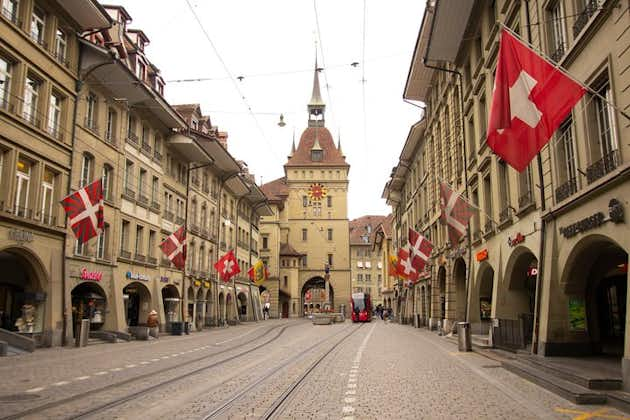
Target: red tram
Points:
(361, 305)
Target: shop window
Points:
(87, 165)
(23, 175)
(30, 105)
(48, 197)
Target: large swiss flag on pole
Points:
(227, 266)
(84, 209)
(531, 99)
(174, 247)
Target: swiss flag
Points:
(405, 266)
(531, 99)
(227, 266)
(456, 213)
(84, 208)
(174, 247)
(420, 249)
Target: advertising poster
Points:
(577, 315)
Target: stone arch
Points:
(89, 301)
(171, 302)
(222, 307)
(200, 309)
(317, 286)
(243, 305)
(595, 277)
(441, 292)
(482, 301)
(137, 303)
(520, 288)
(459, 283)
(209, 308)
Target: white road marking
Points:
(60, 383)
(237, 337)
(41, 388)
(164, 357)
(348, 410)
(350, 399)
(130, 366)
(352, 385)
(347, 418)
(102, 372)
(81, 378)
(351, 392)
(144, 363)
(155, 360)
(116, 369)
(352, 377)
(175, 354)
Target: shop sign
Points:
(206, 284)
(91, 275)
(197, 283)
(137, 276)
(481, 255)
(519, 238)
(21, 236)
(163, 279)
(615, 215)
(532, 271)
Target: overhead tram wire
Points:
(321, 47)
(234, 83)
(365, 140)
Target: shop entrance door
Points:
(611, 301)
(285, 309)
(133, 309)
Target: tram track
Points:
(278, 404)
(121, 400)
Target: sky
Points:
(272, 45)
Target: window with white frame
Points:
(140, 70)
(101, 244)
(38, 21)
(108, 172)
(54, 114)
(48, 193)
(31, 99)
(10, 9)
(139, 240)
(6, 68)
(110, 128)
(79, 248)
(567, 169)
(90, 111)
(155, 189)
(128, 176)
(23, 175)
(87, 164)
(605, 119)
(556, 30)
(61, 45)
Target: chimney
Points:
(222, 137)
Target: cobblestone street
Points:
(277, 369)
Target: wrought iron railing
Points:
(125, 254)
(566, 190)
(132, 138)
(525, 200)
(602, 167)
(165, 262)
(488, 227)
(140, 257)
(129, 193)
(168, 215)
(476, 235)
(504, 214)
(179, 220)
(145, 148)
(152, 260)
(157, 156)
(558, 53)
(585, 15)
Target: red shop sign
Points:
(91, 275)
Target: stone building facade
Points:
(366, 263)
(547, 256)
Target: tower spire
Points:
(316, 106)
(339, 144)
(292, 146)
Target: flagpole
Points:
(468, 202)
(561, 69)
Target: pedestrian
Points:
(266, 310)
(154, 324)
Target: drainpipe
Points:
(465, 159)
(541, 252)
(216, 249)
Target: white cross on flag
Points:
(405, 266)
(84, 208)
(227, 266)
(456, 213)
(174, 247)
(419, 250)
(531, 99)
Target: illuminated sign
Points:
(519, 238)
(482, 255)
(137, 276)
(91, 275)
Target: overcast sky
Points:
(272, 44)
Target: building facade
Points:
(366, 263)
(545, 256)
(306, 241)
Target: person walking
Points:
(266, 310)
(154, 324)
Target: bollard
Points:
(463, 336)
(83, 334)
(4, 348)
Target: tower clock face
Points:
(317, 191)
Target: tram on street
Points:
(361, 305)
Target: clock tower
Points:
(310, 228)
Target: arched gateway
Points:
(313, 295)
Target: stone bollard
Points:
(83, 334)
(4, 348)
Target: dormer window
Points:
(140, 71)
(317, 155)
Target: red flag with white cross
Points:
(84, 209)
(174, 247)
(405, 267)
(456, 213)
(227, 266)
(531, 98)
(419, 250)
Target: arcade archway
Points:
(313, 295)
(171, 302)
(209, 308)
(521, 274)
(137, 303)
(88, 302)
(442, 291)
(222, 313)
(200, 311)
(23, 288)
(595, 280)
(459, 279)
(481, 311)
(242, 305)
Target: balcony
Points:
(111, 139)
(488, 228)
(168, 215)
(603, 167)
(143, 200)
(155, 206)
(558, 53)
(157, 156)
(526, 200)
(254, 252)
(47, 219)
(179, 220)
(145, 149)
(152, 260)
(132, 138)
(165, 262)
(22, 212)
(11, 15)
(140, 258)
(566, 190)
(242, 244)
(505, 214)
(585, 15)
(472, 158)
(195, 181)
(125, 254)
(194, 228)
(129, 194)
(476, 236)
(205, 233)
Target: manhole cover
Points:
(18, 397)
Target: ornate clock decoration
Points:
(317, 191)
